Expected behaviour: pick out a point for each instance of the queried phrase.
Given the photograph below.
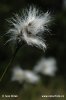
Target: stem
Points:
(10, 62)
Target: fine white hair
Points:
(46, 66)
(29, 27)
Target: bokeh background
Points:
(28, 56)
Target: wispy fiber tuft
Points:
(28, 27)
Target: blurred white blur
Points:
(18, 74)
(46, 66)
(24, 76)
(31, 77)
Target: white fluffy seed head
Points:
(29, 26)
(18, 74)
(27, 76)
(31, 77)
(46, 66)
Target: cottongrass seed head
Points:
(29, 27)
(17, 74)
(46, 66)
(20, 75)
(31, 77)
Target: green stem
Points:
(10, 62)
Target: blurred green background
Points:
(28, 56)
